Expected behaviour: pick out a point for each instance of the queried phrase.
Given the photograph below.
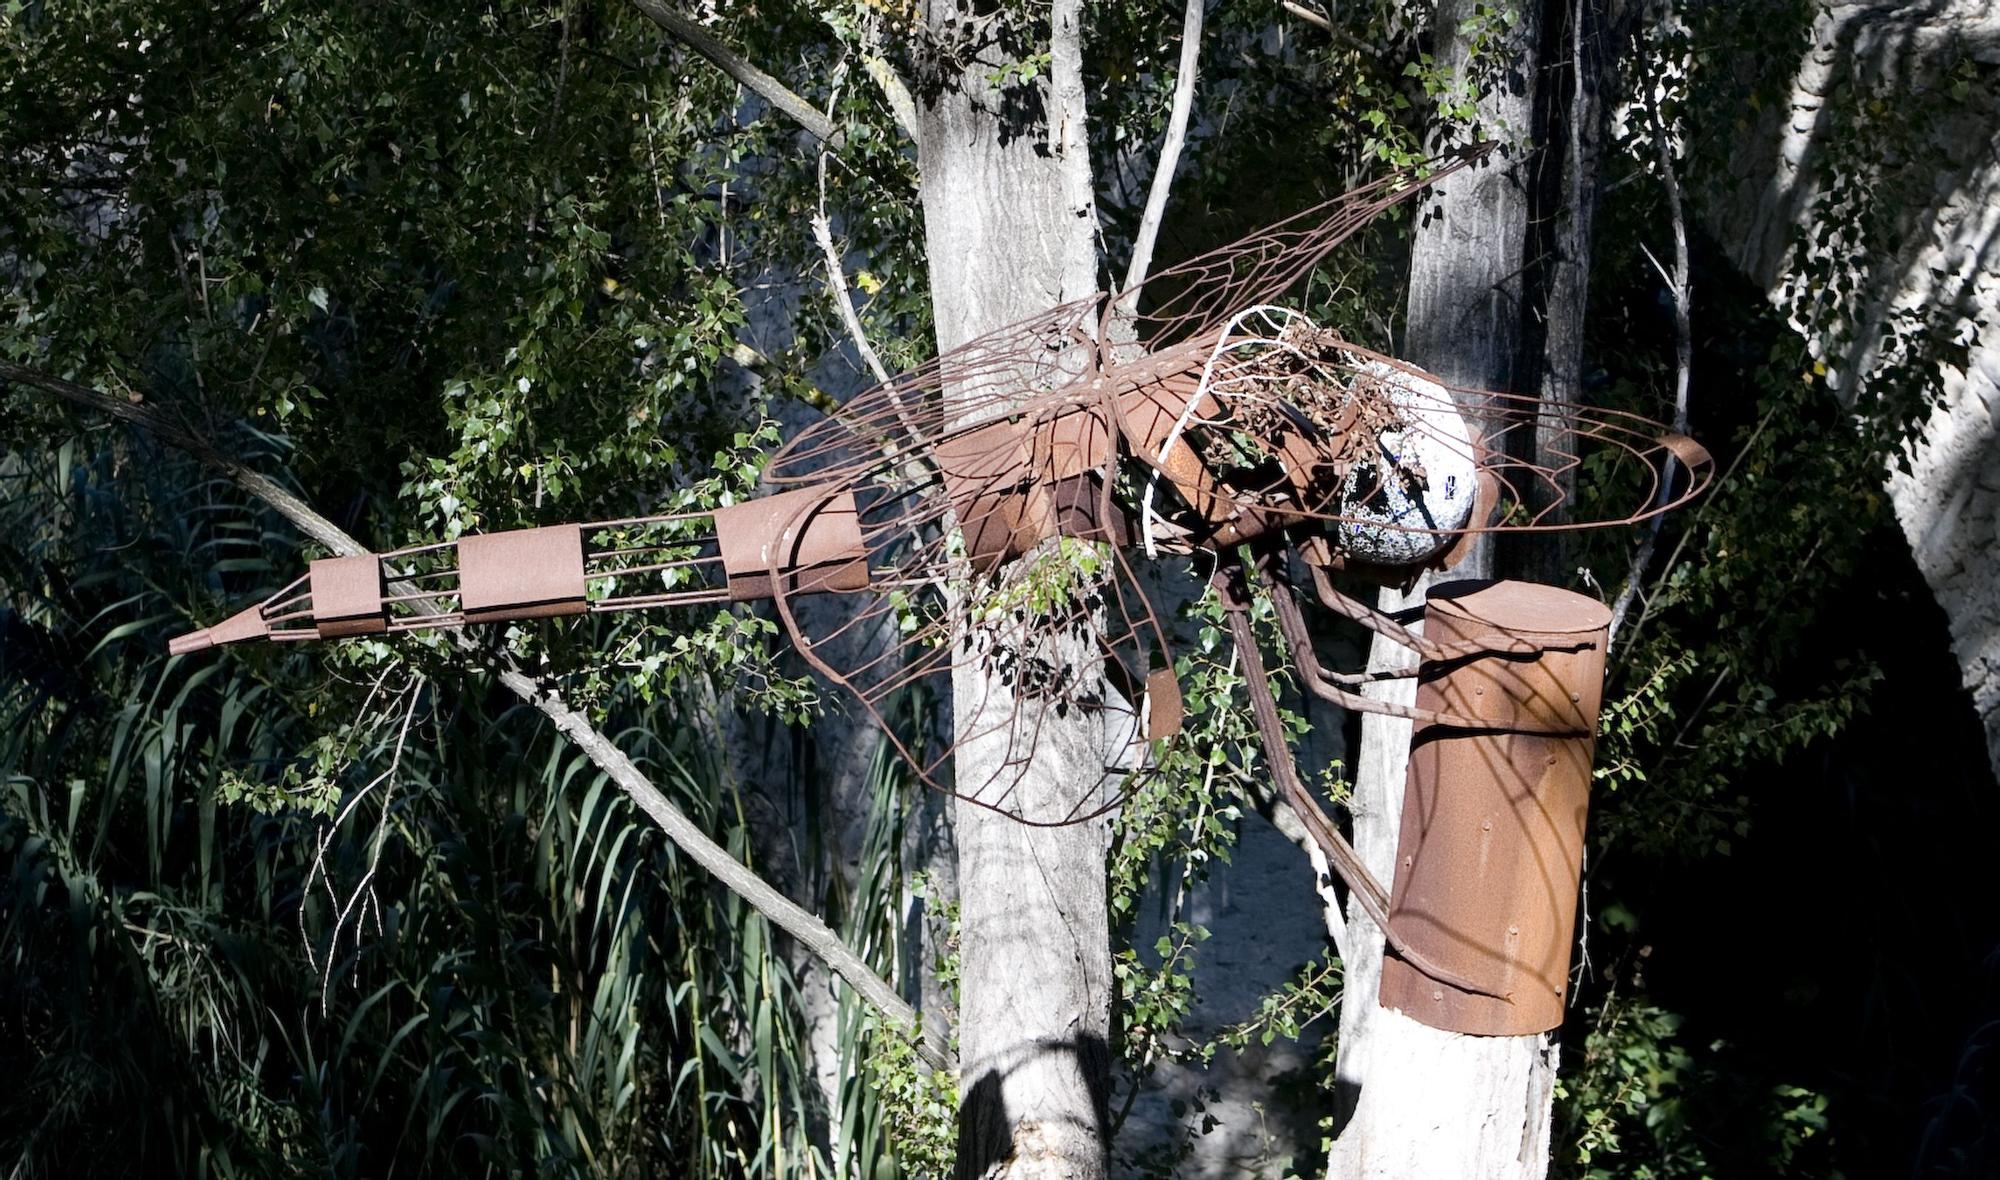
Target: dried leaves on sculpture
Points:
(1001, 530)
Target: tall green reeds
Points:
(267, 913)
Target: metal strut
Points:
(1361, 884)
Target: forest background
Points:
(458, 266)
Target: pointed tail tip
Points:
(193, 641)
(242, 627)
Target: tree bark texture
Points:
(1010, 228)
(1579, 50)
(1410, 1100)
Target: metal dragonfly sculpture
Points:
(986, 509)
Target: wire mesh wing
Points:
(995, 373)
(980, 567)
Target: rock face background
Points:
(1892, 120)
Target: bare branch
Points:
(1320, 21)
(813, 934)
(753, 79)
(836, 281)
(1680, 287)
(1308, 15)
(1170, 148)
(164, 427)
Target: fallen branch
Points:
(812, 933)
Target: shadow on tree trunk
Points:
(992, 1144)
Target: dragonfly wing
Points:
(996, 374)
(1064, 629)
(1195, 298)
(991, 374)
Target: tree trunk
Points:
(1944, 257)
(1411, 1100)
(1009, 225)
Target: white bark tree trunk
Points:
(1413, 1101)
(1945, 258)
(1010, 227)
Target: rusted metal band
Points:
(1164, 710)
(1484, 502)
(1073, 442)
(522, 574)
(1085, 511)
(1148, 411)
(806, 540)
(1001, 510)
(1491, 847)
(1692, 454)
(347, 596)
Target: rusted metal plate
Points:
(810, 537)
(1073, 442)
(1083, 511)
(1483, 506)
(1001, 511)
(1491, 845)
(1163, 705)
(1148, 413)
(522, 574)
(347, 596)
(1691, 453)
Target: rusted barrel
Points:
(1491, 847)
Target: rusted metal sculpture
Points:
(988, 505)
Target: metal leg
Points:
(1361, 884)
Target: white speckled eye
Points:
(1424, 480)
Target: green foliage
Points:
(489, 960)
(475, 266)
(896, 1116)
(1729, 666)
(1640, 1103)
(482, 267)
(1313, 994)
(1725, 665)
(920, 1106)
(1183, 819)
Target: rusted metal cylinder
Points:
(1491, 848)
